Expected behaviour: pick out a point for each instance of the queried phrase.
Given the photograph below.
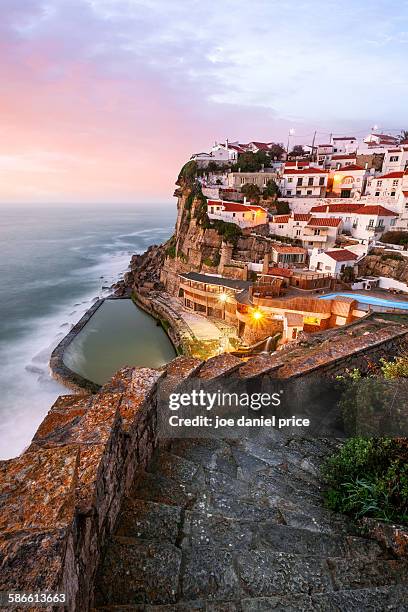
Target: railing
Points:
(375, 228)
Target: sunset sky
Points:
(103, 100)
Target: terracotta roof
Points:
(288, 249)
(281, 219)
(276, 271)
(328, 222)
(235, 206)
(405, 193)
(376, 210)
(344, 138)
(394, 151)
(336, 208)
(391, 175)
(301, 216)
(349, 168)
(341, 255)
(304, 171)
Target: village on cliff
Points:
(271, 244)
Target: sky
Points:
(102, 101)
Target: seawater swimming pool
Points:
(118, 334)
(368, 299)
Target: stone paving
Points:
(239, 525)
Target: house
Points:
(381, 140)
(321, 232)
(387, 186)
(333, 261)
(343, 210)
(344, 144)
(342, 159)
(324, 155)
(244, 215)
(303, 182)
(236, 180)
(371, 221)
(395, 160)
(347, 181)
(290, 226)
(286, 255)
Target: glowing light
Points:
(223, 297)
(257, 315)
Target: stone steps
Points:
(240, 525)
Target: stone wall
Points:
(59, 499)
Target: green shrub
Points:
(395, 237)
(394, 256)
(171, 251)
(369, 477)
(229, 231)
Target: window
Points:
(288, 192)
(242, 181)
(393, 221)
(290, 180)
(321, 180)
(371, 223)
(298, 192)
(317, 232)
(394, 158)
(393, 194)
(310, 182)
(298, 232)
(379, 183)
(299, 181)
(395, 183)
(280, 226)
(377, 193)
(309, 192)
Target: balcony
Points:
(375, 228)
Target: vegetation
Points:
(276, 150)
(348, 275)
(251, 191)
(286, 239)
(297, 151)
(229, 231)
(252, 162)
(404, 135)
(282, 208)
(271, 190)
(369, 475)
(188, 173)
(395, 237)
(394, 256)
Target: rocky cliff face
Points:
(384, 264)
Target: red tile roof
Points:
(286, 272)
(301, 216)
(304, 171)
(341, 255)
(344, 138)
(405, 193)
(288, 249)
(328, 222)
(376, 210)
(281, 218)
(335, 208)
(235, 206)
(391, 175)
(349, 168)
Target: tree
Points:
(404, 135)
(297, 151)
(271, 190)
(251, 191)
(276, 150)
(282, 208)
(252, 162)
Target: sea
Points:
(54, 262)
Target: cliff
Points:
(391, 265)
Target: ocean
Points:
(54, 262)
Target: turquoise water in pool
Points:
(368, 299)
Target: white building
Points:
(384, 140)
(371, 221)
(386, 187)
(345, 211)
(334, 261)
(303, 182)
(290, 226)
(244, 215)
(348, 181)
(342, 159)
(395, 160)
(321, 233)
(324, 155)
(344, 144)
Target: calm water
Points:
(123, 335)
(369, 299)
(53, 263)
